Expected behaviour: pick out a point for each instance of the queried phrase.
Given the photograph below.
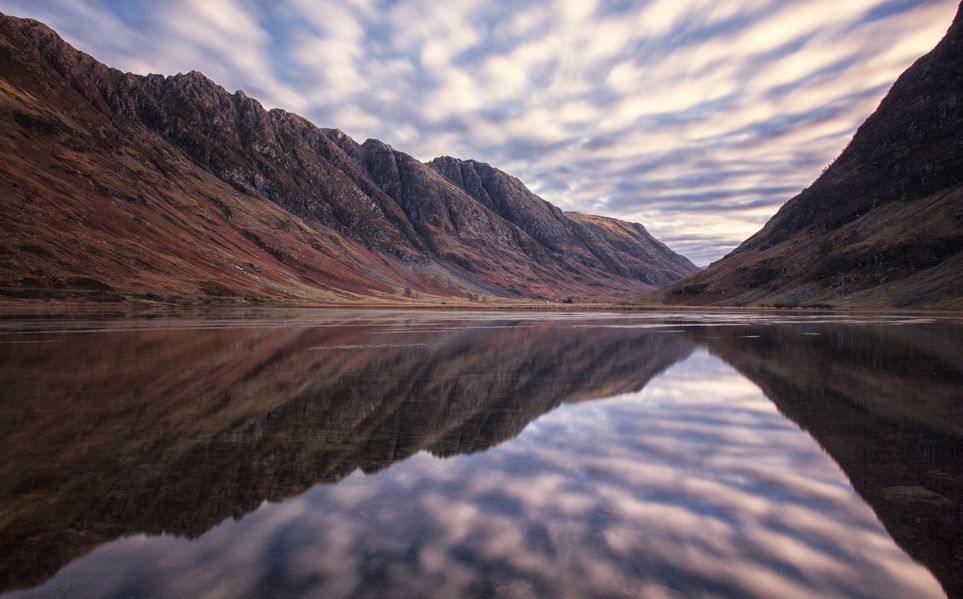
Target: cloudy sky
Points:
(698, 118)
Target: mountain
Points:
(119, 186)
(882, 226)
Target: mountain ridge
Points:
(370, 220)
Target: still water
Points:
(403, 454)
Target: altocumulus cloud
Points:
(698, 118)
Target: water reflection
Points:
(137, 460)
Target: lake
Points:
(481, 454)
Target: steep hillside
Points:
(120, 186)
(883, 226)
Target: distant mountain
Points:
(150, 187)
(883, 225)
(625, 249)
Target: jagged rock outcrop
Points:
(883, 225)
(177, 189)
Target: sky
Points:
(697, 118)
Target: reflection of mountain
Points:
(886, 405)
(174, 431)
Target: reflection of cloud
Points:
(694, 485)
(640, 110)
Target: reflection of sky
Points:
(695, 485)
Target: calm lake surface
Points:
(458, 454)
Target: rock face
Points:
(124, 186)
(883, 225)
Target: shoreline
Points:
(57, 308)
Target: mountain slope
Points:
(127, 186)
(883, 225)
(625, 249)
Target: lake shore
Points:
(15, 307)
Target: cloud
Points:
(611, 106)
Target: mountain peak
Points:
(377, 144)
(452, 160)
(197, 79)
